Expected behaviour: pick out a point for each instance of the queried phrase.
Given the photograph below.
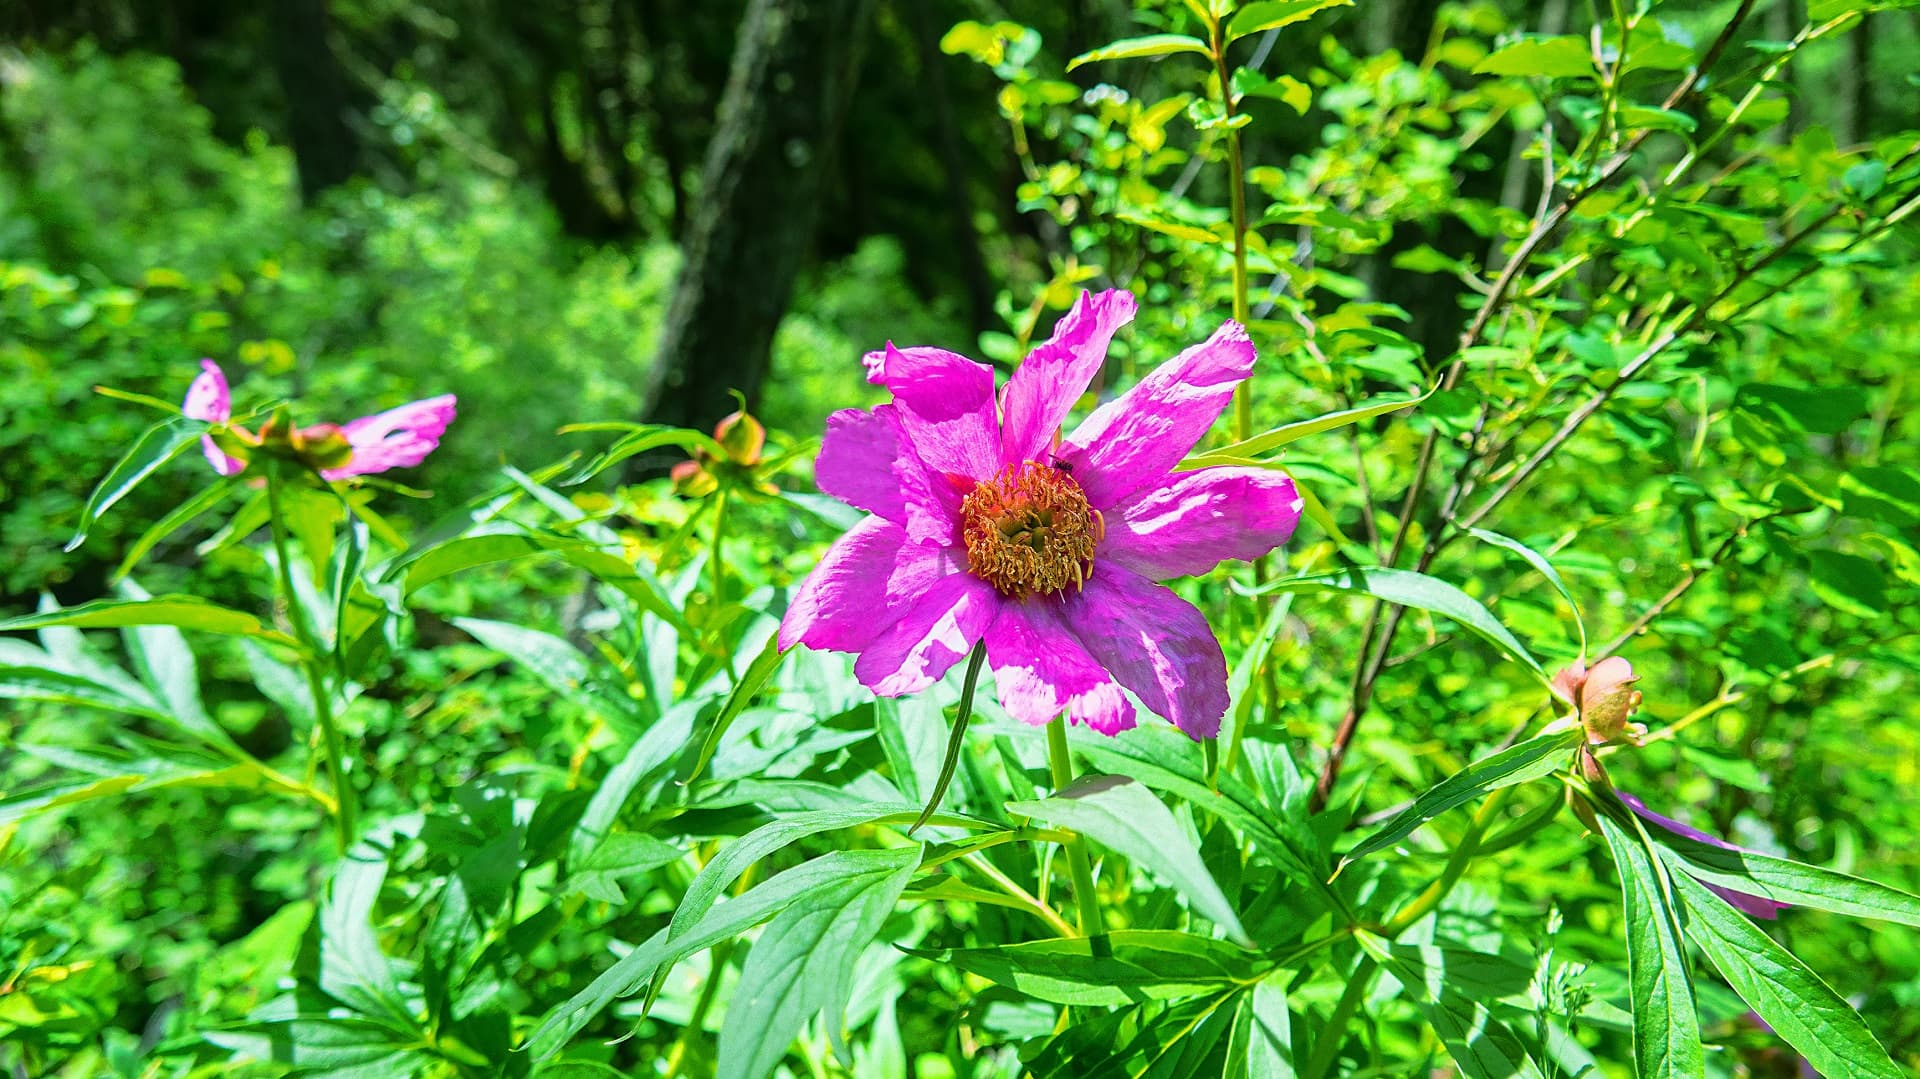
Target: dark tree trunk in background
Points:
(325, 150)
(966, 239)
(754, 216)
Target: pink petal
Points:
(867, 463)
(1052, 377)
(856, 461)
(397, 438)
(1137, 438)
(1199, 520)
(1155, 644)
(1041, 670)
(931, 634)
(209, 399)
(864, 584)
(946, 407)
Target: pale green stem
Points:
(1327, 1046)
(1024, 899)
(1456, 866)
(346, 809)
(1079, 867)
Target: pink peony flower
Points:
(983, 528)
(397, 438)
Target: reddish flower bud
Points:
(742, 437)
(1604, 697)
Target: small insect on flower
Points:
(983, 529)
(397, 438)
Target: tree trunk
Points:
(755, 214)
(325, 150)
(966, 239)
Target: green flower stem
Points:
(1237, 193)
(1023, 899)
(1469, 845)
(1327, 1046)
(1078, 865)
(346, 811)
(956, 739)
(697, 1020)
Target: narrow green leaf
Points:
(557, 664)
(1522, 763)
(1666, 1023)
(756, 676)
(1483, 1046)
(1785, 881)
(1538, 561)
(1125, 817)
(1781, 990)
(155, 447)
(1167, 760)
(186, 612)
(1566, 57)
(803, 966)
(1241, 452)
(650, 752)
(353, 968)
(1410, 589)
(1274, 14)
(1150, 45)
(638, 439)
(1144, 964)
(175, 519)
(713, 924)
(167, 664)
(1269, 1031)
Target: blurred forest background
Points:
(587, 210)
(550, 210)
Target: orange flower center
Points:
(1029, 530)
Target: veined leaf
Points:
(1167, 761)
(186, 612)
(1527, 761)
(803, 965)
(1242, 452)
(1483, 1046)
(755, 678)
(1124, 817)
(1410, 589)
(155, 447)
(1538, 561)
(1787, 881)
(1666, 1023)
(1566, 57)
(1150, 45)
(839, 869)
(1792, 999)
(1274, 14)
(1144, 964)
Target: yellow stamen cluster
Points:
(1029, 530)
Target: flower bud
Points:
(692, 480)
(742, 437)
(1607, 698)
(1604, 697)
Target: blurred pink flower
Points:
(983, 528)
(397, 438)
